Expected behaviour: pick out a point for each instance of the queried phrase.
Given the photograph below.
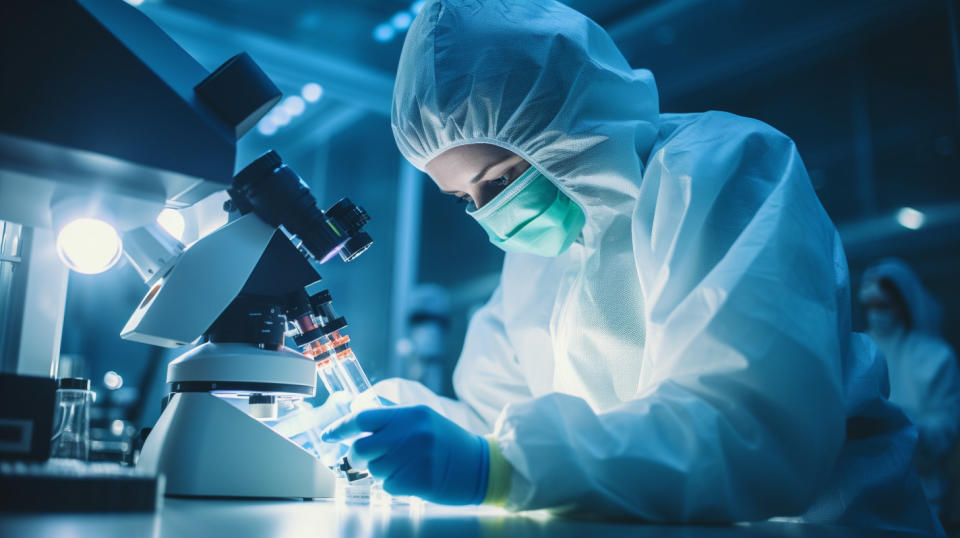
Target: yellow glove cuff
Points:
(498, 483)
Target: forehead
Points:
(457, 166)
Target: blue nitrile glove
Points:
(416, 451)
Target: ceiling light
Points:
(311, 92)
(401, 21)
(294, 105)
(267, 126)
(383, 32)
(280, 116)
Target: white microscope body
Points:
(206, 446)
(241, 288)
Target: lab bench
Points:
(186, 518)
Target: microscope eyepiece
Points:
(273, 191)
(352, 218)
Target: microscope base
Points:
(206, 447)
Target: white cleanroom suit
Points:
(924, 376)
(690, 358)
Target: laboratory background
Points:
(869, 91)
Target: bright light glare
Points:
(89, 246)
(116, 427)
(172, 221)
(134, 2)
(312, 92)
(267, 126)
(910, 218)
(280, 116)
(401, 21)
(383, 32)
(294, 105)
(112, 380)
(417, 6)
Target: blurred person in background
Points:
(904, 321)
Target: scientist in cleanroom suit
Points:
(904, 320)
(670, 339)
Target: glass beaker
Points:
(71, 432)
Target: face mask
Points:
(882, 321)
(531, 215)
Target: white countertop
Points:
(184, 518)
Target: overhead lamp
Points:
(401, 21)
(383, 32)
(294, 105)
(88, 245)
(267, 127)
(280, 116)
(311, 92)
(87, 239)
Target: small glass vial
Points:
(71, 433)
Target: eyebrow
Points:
(487, 169)
(483, 172)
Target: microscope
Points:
(242, 291)
(140, 125)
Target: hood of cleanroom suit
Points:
(925, 312)
(924, 376)
(690, 357)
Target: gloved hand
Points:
(416, 451)
(308, 418)
(304, 426)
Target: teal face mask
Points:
(531, 215)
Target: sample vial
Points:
(348, 366)
(329, 376)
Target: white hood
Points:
(925, 312)
(559, 94)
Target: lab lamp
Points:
(89, 246)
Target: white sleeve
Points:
(487, 376)
(939, 420)
(740, 413)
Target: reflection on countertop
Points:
(264, 519)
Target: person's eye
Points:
(502, 181)
(462, 199)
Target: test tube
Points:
(349, 369)
(321, 350)
(329, 376)
(348, 365)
